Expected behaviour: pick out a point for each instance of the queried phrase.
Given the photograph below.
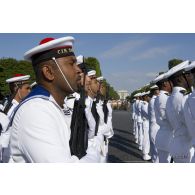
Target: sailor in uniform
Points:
(180, 147)
(4, 121)
(98, 129)
(139, 121)
(40, 132)
(135, 117)
(107, 111)
(145, 127)
(164, 134)
(153, 126)
(189, 112)
(20, 88)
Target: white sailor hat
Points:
(50, 47)
(190, 67)
(79, 59)
(142, 94)
(33, 84)
(160, 77)
(147, 93)
(18, 78)
(138, 94)
(100, 78)
(154, 87)
(91, 73)
(177, 70)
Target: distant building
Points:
(123, 94)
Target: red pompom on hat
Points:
(46, 40)
(18, 77)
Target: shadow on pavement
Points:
(122, 148)
(123, 131)
(127, 142)
(114, 159)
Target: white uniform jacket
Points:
(4, 138)
(154, 127)
(40, 133)
(164, 134)
(133, 110)
(138, 108)
(181, 143)
(189, 113)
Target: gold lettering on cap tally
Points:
(65, 50)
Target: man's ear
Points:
(48, 72)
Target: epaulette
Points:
(167, 94)
(70, 97)
(184, 92)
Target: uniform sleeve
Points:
(133, 110)
(189, 114)
(144, 111)
(162, 107)
(5, 134)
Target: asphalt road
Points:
(122, 146)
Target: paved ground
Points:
(122, 148)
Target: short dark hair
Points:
(175, 79)
(160, 85)
(15, 85)
(38, 67)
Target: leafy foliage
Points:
(93, 63)
(10, 66)
(174, 62)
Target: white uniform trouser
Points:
(181, 149)
(164, 156)
(6, 155)
(152, 134)
(140, 134)
(134, 126)
(104, 152)
(136, 129)
(146, 140)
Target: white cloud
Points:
(151, 74)
(130, 80)
(153, 53)
(123, 48)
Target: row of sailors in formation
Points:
(36, 126)
(164, 126)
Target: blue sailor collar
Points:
(38, 91)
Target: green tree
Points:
(174, 62)
(9, 67)
(93, 63)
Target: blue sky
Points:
(128, 61)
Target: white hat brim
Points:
(20, 78)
